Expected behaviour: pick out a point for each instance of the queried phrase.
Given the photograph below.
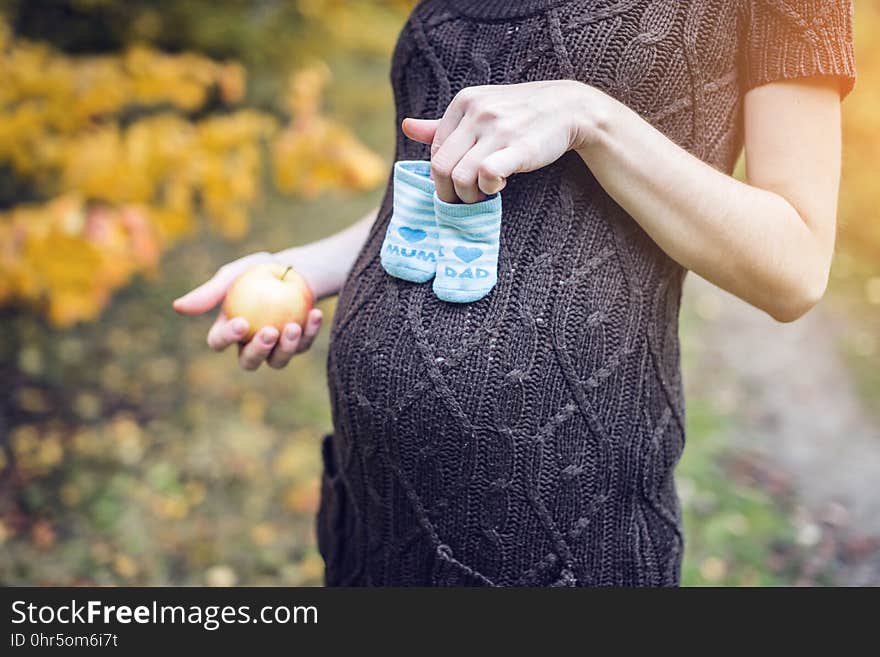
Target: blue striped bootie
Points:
(467, 263)
(410, 247)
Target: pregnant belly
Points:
(510, 438)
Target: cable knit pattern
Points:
(530, 438)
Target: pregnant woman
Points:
(530, 437)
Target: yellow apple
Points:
(269, 294)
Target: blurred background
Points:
(143, 143)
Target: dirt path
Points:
(793, 402)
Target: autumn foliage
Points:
(128, 454)
(124, 153)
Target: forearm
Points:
(749, 241)
(327, 262)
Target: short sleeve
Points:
(790, 39)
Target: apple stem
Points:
(285, 272)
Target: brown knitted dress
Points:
(530, 438)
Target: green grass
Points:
(736, 533)
(738, 517)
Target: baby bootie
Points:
(467, 263)
(410, 247)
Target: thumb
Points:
(205, 296)
(209, 294)
(420, 130)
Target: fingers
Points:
(466, 173)
(258, 349)
(451, 141)
(451, 118)
(489, 183)
(203, 298)
(471, 154)
(420, 130)
(444, 161)
(225, 332)
(207, 295)
(294, 340)
(313, 325)
(496, 168)
(287, 346)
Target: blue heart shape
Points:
(467, 254)
(412, 235)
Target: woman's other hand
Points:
(266, 345)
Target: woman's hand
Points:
(266, 345)
(489, 133)
(323, 264)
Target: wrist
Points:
(593, 117)
(314, 267)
